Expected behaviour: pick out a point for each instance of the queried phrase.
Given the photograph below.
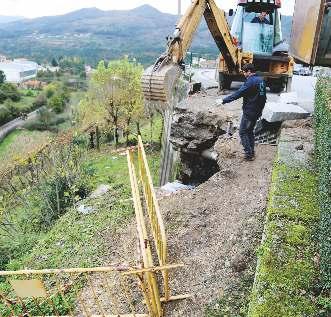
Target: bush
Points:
(46, 120)
(322, 119)
(29, 93)
(40, 101)
(5, 115)
(80, 140)
(9, 91)
(68, 184)
(50, 90)
(57, 103)
(14, 111)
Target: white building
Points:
(19, 70)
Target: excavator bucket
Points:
(311, 32)
(158, 83)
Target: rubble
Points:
(193, 134)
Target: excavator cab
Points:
(256, 28)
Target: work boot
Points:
(247, 157)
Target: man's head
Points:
(263, 15)
(248, 69)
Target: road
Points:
(304, 86)
(14, 124)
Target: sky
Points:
(37, 8)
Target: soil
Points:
(215, 230)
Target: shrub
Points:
(57, 103)
(5, 115)
(14, 111)
(9, 91)
(40, 101)
(50, 90)
(80, 140)
(29, 93)
(60, 190)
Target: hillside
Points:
(7, 19)
(95, 34)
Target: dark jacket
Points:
(254, 93)
(258, 20)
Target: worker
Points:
(261, 18)
(254, 93)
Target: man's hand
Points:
(219, 102)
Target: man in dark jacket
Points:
(254, 93)
(262, 18)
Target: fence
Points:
(154, 214)
(103, 291)
(155, 219)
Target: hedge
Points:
(322, 125)
(287, 269)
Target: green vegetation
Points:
(287, 272)
(76, 239)
(20, 143)
(323, 160)
(115, 95)
(2, 77)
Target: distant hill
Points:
(95, 34)
(7, 19)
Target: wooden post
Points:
(92, 140)
(97, 133)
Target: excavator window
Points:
(253, 34)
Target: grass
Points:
(19, 143)
(77, 239)
(76, 233)
(287, 273)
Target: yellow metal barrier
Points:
(145, 248)
(102, 291)
(154, 214)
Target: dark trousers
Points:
(246, 132)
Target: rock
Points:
(85, 210)
(176, 186)
(100, 191)
(197, 131)
(219, 102)
(275, 112)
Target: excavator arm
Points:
(159, 80)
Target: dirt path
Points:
(215, 230)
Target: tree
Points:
(2, 77)
(57, 103)
(54, 62)
(40, 101)
(116, 89)
(9, 91)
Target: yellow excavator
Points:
(159, 80)
(246, 42)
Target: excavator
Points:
(246, 42)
